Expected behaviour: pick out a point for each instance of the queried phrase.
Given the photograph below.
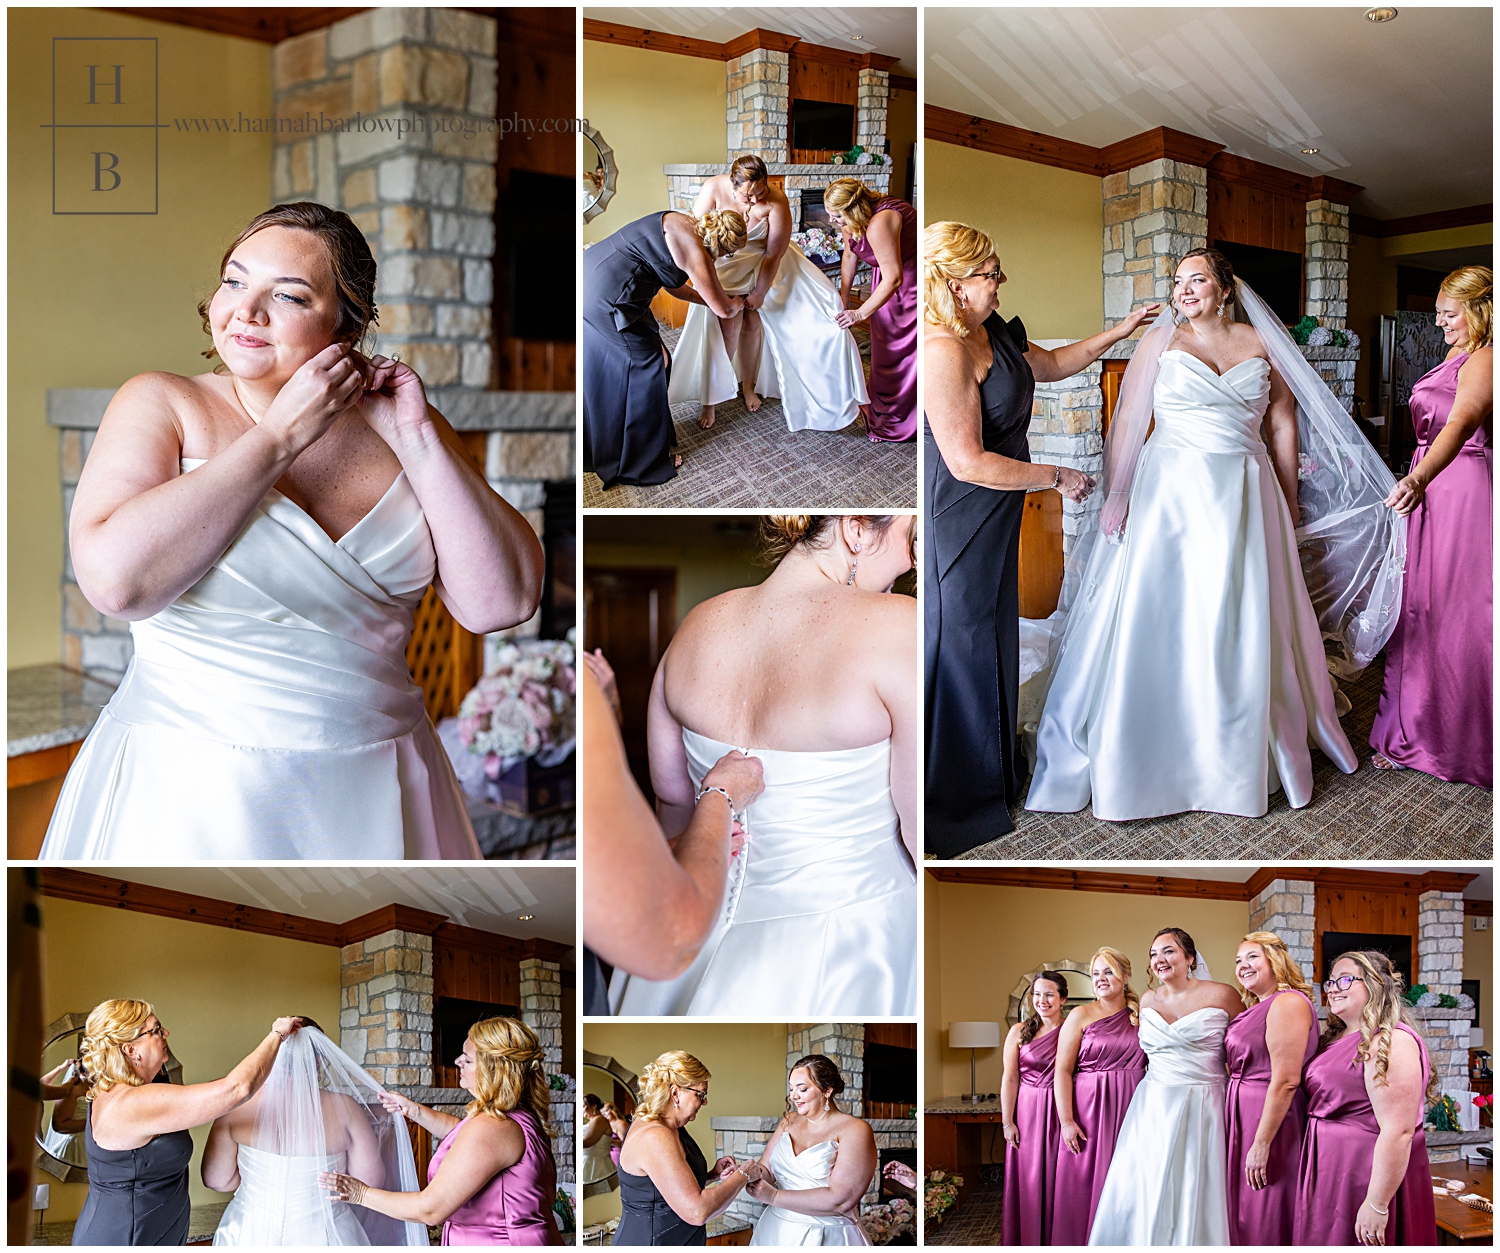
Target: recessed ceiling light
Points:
(1380, 15)
(1307, 152)
(858, 37)
(526, 918)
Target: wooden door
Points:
(631, 612)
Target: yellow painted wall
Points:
(606, 1205)
(653, 109)
(989, 937)
(1479, 963)
(901, 135)
(216, 991)
(94, 300)
(934, 1032)
(1048, 228)
(702, 572)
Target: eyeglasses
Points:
(158, 1030)
(702, 1096)
(994, 274)
(1343, 983)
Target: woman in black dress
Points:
(627, 423)
(665, 1196)
(978, 412)
(137, 1135)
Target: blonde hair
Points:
(854, 200)
(1470, 286)
(721, 231)
(508, 1071)
(1120, 964)
(950, 250)
(1289, 975)
(674, 1068)
(111, 1026)
(1382, 1014)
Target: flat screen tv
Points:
(454, 1016)
(890, 1073)
(1276, 276)
(816, 124)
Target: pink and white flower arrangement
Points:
(887, 1222)
(523, 708)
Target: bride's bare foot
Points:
(706, 417)
(1381, 762)
(752, 401)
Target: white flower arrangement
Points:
(1319, 336)
(817, 242)
(523, 708)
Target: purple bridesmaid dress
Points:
(1110, 1065)
(1265, 1215)
(1338, 1153)
(893, 336)
(1029, 1170)
(1436, 701)
(515, 1207)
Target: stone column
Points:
(1067, 428)
(1440, 941)
(1327, 262)
(541, 1007)
(1289, 908)
(869, 116)
(758, 88)
(385, 1015)
(844, 1044)
(1153, 213)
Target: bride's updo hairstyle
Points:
(1184, 941)
(854, 200)
(349, 258)
(1288, 973)
(508, 1071)
(1470, 286)
(950, 250)
(1383, 1013)
(111, 1026)
(721, 231)
(825, 1076)
(1033, 1022)
(748, 169)
(782, 532)
(1219, 267)
(674, 1068)
(1120, 964)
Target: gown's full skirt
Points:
(823, 887)
(798, 1172)
(1192, 671)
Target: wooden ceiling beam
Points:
(264, 25)
(1203, 889)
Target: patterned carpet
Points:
(751, 461)
(977, 1221)
(1369, 815)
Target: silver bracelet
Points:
(1056, 476)
(1384, 1213)
(704, 791)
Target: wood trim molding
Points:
(1479, 909)
(971, 131)
(391, 918)
(833, 56)
(1201, 889)
(654, 40)
(1444, 219)
(770, 40)
(548, 950)
(1232, 169)
(264, 25)
(774, 40)
(1162, 143)
(901, 82)
(1336, 190)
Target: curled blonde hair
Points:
(508, 1071)
(854, 200)
(721, 231)
(950, 250)
(674, 1068)
(111, 1026)
(1289, 974)
(1382, 1014)
(1120, 964)
(1470, 286)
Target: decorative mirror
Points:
(598, 175)
(60, 1134)
(609, 1081)
(1080, 987)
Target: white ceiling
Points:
(1402, 107)
(1481, 889)
(487, 898)
(890, 32)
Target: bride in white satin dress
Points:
(814, 673)
(268, 532)
(1192, 672)
(1166, 1181)
(786, 343)
(813, 1193)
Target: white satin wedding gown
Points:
(1193, 672)
(1166, 1181)
(820, 912)
(797, 1172)
(809, 361)
(280, 1204)
(268, 712)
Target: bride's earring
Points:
(853, 567)
(1221, 308)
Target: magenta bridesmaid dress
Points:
(515, 1207)
(1264, 1215)
(1030, 1169)
(893, 336)
(1439, 672)
(1338, 1153)
(1111, 1064)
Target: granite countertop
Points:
(47, 706)
(201, 1223)
(716, 1227)
(962, 1105)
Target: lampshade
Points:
(973, 1035)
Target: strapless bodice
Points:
(738, 274)
(279, 1202)
(799, 1172)
(1188, 1051)
(1201, 411)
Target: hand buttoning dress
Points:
(1437, 700)
(809, 361)
(823, 886)
(1166, 1180)
(893, 334)
(798, 1172)
(1031, 1170)
(268, 712)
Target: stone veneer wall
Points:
(1440, 965)
(844, 1043)
(684, 182)
(869, 114)
(1289, 908)
(385, 1015)
(1327, 262)
(1153, 213)
(758, 95)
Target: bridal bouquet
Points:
(523, 708)
(816, 242)
(884, 1224)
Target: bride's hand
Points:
(742, 777)
(1073, 1137)
(762, 1190)
(308, 402)
(395, 402)
(1074, 484)
(1406, 495)
(345, 1187)
(1255, 1164)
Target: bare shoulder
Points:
(1481, 361)
(485, 1131)
(849, 1128)
(943, 347)
(1247, 339)
(160, 393)
(1225, 997)
(1150, 998)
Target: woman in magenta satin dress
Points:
(1029, 1113)
(1435, 705)
(1099, 1064)
(881, 231)
(1364, 1176)
(1265, 1109)
(493, 1179)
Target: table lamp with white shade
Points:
(971, 1036)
